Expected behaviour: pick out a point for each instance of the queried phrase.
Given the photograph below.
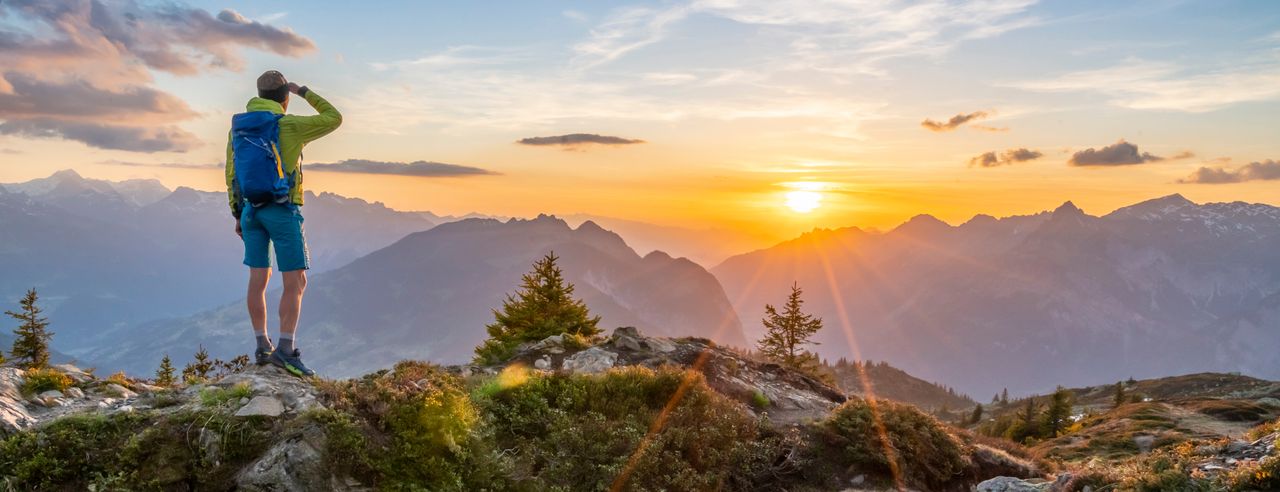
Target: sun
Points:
(803, 201)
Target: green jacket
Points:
(295, 133)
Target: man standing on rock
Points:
(264, 187)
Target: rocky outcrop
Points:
(1234, 454)
(14, 415)
(787, 396)
(20, 411)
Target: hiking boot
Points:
(291, 362)
(262, 357)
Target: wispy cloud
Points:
(574, 140)
(953, 123)
(1011, 156)
(425, 169)
(105, 135)
(83, 70)
(824, 35)
(171, 165)
(1121, 153)
(1253, 171)
(1165, 86)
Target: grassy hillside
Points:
(891, 383)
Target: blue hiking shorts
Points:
(277, 227)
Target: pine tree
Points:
(995, 399)
(544, 306)
(1004, 397)
(1028, 415)
(31, 348)
(788, 332)
(1058, 412)
(198, 370)
(977, 414)
(1119, 398)
(164, 375)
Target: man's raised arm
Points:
(313, 127)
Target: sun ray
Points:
(660, 422)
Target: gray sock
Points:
(264, 343)
(286, 344)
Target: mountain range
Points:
(1162, 287)
(107, 254)
(429, 296)
(128, 270)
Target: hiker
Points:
(264, 188)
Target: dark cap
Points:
(271, 80)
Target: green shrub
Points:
(131, 451)
(913, 446)
(584, 432)
(418, 424)
(120, 379)
(37, 381)
(759, 400)
(215, 397)
(1263, 474)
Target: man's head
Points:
(273, 86)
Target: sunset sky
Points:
(771, 117)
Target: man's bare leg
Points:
(295, 285)
(257, 299)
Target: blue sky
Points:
(738, 104)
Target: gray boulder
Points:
(261, 406)
(592, 360)
(295, 464)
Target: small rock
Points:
(1010, 484)
(626, 343)
(75, 392)
(660, 345)
(244, 401)
(1237, 446)
(858, 480)
(51, 402)
(120, 391)
(1144, 442)
(261, 406)
(627, 331)
(543, 363)
(51, 394)
(73, 372)
(144, 387)
(592, 360)
(125, 408)
(553, 344)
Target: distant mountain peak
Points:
(66, 174)
(1155, 208)
(922, 224)
(1068, 208)
(1174, 199)
(980, 219)
(590, 226)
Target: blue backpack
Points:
(255, 145)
